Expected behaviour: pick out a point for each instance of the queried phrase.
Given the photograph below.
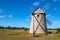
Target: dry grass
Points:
(6, 34)
(53, 31)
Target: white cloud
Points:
(28, 18)
(10, 15)
(31, 16)
(42, 0)
(56, 22)
(48, 15)
(54, 0)
(1, 11)
(2, 16)
(36, 3)
(55, 9)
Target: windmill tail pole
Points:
(33, 34)
(33, 26)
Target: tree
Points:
(8, 27)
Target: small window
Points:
(37, 15)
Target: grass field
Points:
(8, 34)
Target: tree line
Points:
(9, 27)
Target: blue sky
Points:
(18, 12)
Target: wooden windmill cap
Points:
(38, 11)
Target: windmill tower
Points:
(38, 22)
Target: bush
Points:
(50, 32)
(58, 30)
(26, 29)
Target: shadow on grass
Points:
(36, 36)
(14, 34)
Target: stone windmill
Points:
(38, 22)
